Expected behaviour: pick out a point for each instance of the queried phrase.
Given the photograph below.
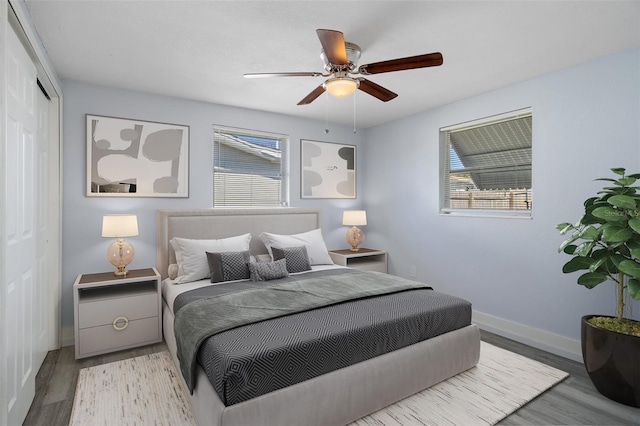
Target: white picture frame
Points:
(136, 158)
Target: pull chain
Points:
(354, 112)
(326, 112)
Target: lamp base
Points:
(354, 237)
(120, 254)
(121, 272)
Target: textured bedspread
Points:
(251, 360)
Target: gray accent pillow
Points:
(265, 271)
(297, 259)
(229, 266)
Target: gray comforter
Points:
(210, 315)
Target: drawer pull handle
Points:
(120, 323)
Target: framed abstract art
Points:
(328, 170)
(135, 158)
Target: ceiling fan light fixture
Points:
(341, 86)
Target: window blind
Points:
(250, 168)
(488, 164)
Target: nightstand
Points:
(114, 313)
(364, 259)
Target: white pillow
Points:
(191, 255)
(312, 240)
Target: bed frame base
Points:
(345, 395)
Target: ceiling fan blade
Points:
(281, 74)
(333, 45)
(375, 90)
(408, 63)
(312, 96)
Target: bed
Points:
(333, 398)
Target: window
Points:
(487, 166)
(250, 168)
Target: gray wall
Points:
(586, 120)
(83, 248)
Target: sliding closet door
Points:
(41, 297)
(20, 242)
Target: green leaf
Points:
(607, 179)
(576, 264)
(630, 267)
(622, 248)
(567, 242)
(627, 181)
(589, 233)
(635, 175)
(599, 254)
(564, 227)
(635, 253)
(627, 190)
(616, 234)
(595, 265)
(590, 201)
(622, 201)
(589, 219)
(616, 259)
(633, 285)
(592, 279)
(633, 243)
(609, 214)
(570, 249)
(618, 171)
(585, 248)
(634, 224)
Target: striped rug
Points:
(146, 391)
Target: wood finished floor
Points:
(573, 402)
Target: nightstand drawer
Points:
(104, 311)
(96, 339)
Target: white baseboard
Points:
(68, 336)
(544, 340)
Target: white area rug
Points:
(501, 383)
(146, 391)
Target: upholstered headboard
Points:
(223, 223)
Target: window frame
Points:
(285, 154)
(444, 167)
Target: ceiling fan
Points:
(341, 63)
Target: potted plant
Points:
(605, 246)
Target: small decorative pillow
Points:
(229, 266)
(297, 259)
(173, 271)
(265, 271)
(312, 240)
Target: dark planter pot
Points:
(613, 362)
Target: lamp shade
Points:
(354, 217)
(119, 225)
(341, 86)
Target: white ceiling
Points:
(201, 49)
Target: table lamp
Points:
(120, 253)
(354, 218)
